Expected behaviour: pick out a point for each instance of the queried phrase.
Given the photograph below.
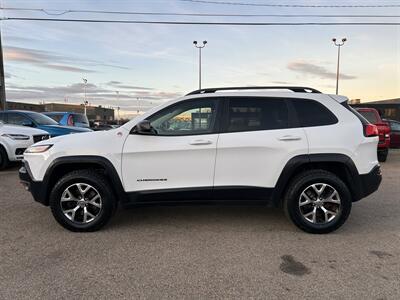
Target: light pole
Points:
(138, 105)
(199, 47)
(117, 104)
(339, 45)
(84, 94)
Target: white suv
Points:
(15, 139)
(290, 146)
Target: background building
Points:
(388, 109)
(94, 113)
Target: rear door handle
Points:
(200, 142)
(289, 138)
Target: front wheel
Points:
(82, 201)
(317, 201)
(3, 158)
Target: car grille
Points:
(40, 137)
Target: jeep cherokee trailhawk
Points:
(294, 147)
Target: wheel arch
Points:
(63, 165)
(339, 164)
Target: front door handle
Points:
(289, 138)
(200, 142)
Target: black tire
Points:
(299, 184)
(382, 155)
(4, 162)
(98, 182)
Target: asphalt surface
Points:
(201, 252)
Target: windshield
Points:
(41, 119)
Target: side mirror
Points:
(144, 127)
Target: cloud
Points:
(96, 95)
(51, 60)
(118, 84)
(312, 69)
(44, 59)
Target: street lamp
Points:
(84, 93)
(199, 47)
(117, 92)
(339, 45)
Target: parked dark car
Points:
(394, 133)
(38, 120)
(69, 119)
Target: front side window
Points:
(186, 118)
(312, 113)
(251, 114)
(18, 119)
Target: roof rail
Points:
(296, 89)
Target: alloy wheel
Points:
(81, 203)
(319, 203)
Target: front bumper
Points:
(37, 188)
(370, 182)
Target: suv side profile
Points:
(307, 152)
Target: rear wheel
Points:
(82, 201)
(382, 155)
(317, 201)
(4, 162)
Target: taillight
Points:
(370, 130)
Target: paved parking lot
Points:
(201, 252)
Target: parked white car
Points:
(307, 152)
(15, 139)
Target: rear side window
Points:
(80, 119)
(55, 117)
(251, 114)
(312, 113)
(2, 117)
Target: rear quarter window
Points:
(312, 113)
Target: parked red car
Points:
(394, 133)
(373, 116)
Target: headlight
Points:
(38, 149)
(19, 137)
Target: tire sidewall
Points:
(108, 203)
(293, 210)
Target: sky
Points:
(137, 66)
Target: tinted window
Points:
(312, 113)
(41, 119)
(55, 117)
(2, 117)
(370, 116)
(395, 126)
(186, 118)
(19, 119)
(249, 114)
(80, 119)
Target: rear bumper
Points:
(37, 188)
(370, 182)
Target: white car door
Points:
(180, 154)
(256, 142)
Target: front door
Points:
(180, 154)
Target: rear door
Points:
(257, 140)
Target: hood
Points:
(15, 129)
